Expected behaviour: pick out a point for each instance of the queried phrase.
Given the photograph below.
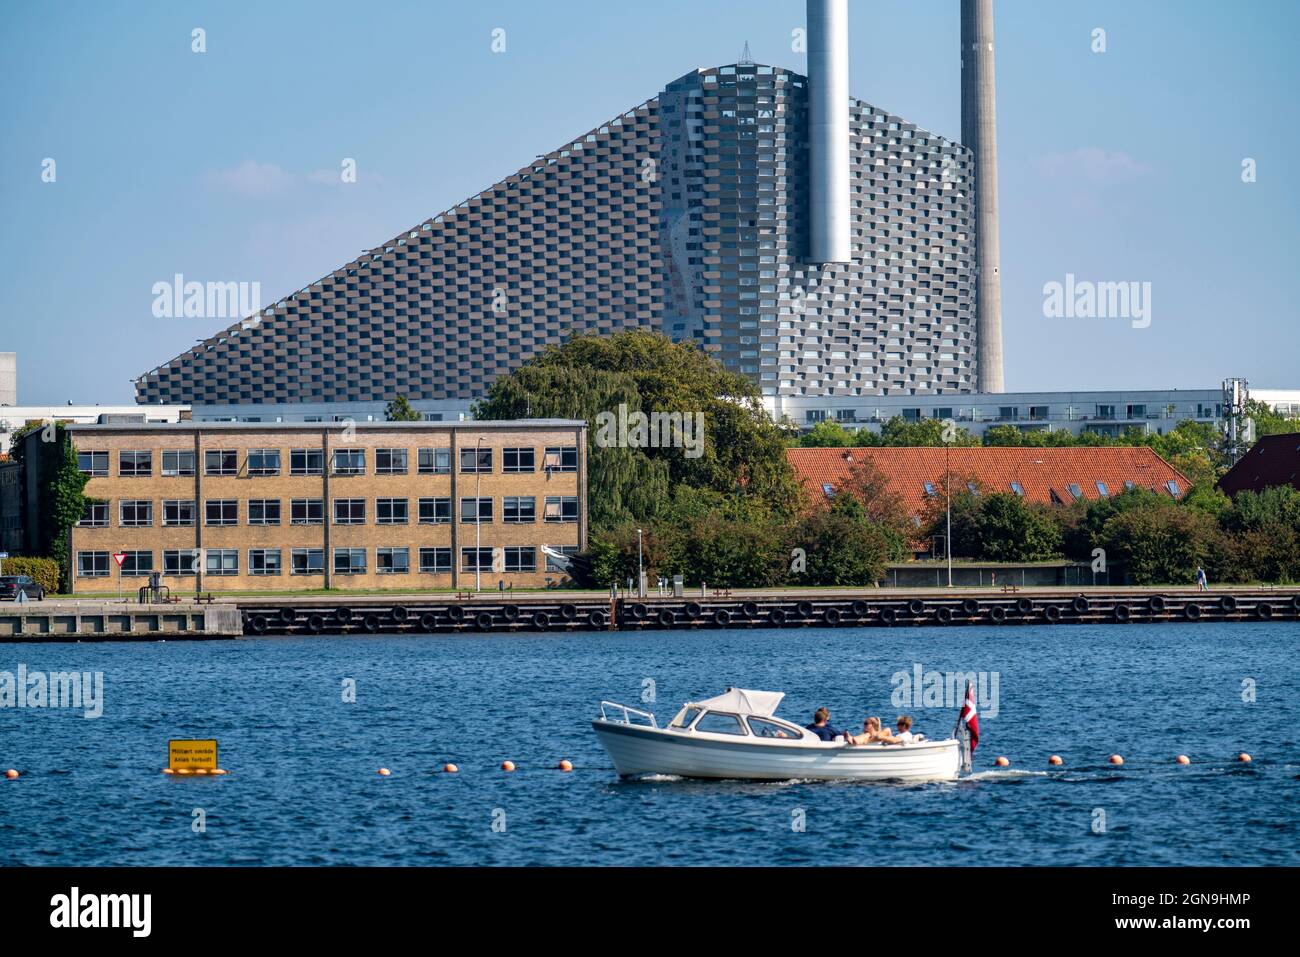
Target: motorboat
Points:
(737, 735)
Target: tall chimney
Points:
(828, 131)
(979, 133)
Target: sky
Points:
(1119, 165)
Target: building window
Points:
(391, 511)
(435, 561)
(180, 561)
(561, 508)
(223, 561)
(221, 462)
(349, 462)
(178, 512)
(390, 461)
(519, 509)
(307, 462)
(435, 461)
(520, 558)
(1172, 487)
(133, 513)
(349, 561)
(263, 461)
(476, 559)
(1102, 490)
(1075, 490)
(476, 460)
(307, 561)
(263, 511)
(177, 462)
(95, 515)
(306, 511)
(92, 564)
(221, 511)
(1018, 489)
(552, 565)
(93, 463)
(518, 460)
(134, 464)
(392, 561)
(561, 458)
(264, 561)
(349, 511)
(137, 563)
(1128, 485)
(435, 511)
(930, 490)
(476, 514)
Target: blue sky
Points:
(1115, 166)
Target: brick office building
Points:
(284, 506)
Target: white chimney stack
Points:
(828, 131)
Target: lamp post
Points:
(478, 515)
(640, 575)
(949, 434)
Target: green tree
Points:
(1005, 529)
(899, 431)
(400, 410)
(829, 434)
(1155, 546)
(841, 547)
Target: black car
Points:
(11, 585)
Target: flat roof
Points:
(473, 425)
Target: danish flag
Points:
(970, 717)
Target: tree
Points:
(829, 434)
(899, 431)
(841, 547)
(400, 410)
(1005, 529)
(1268, 422)
(731, 446)
(1154, 546)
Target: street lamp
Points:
(640, 575)
(947, 495)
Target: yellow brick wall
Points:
(370, 487)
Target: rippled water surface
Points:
(303, 787)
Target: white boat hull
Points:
(642, 750)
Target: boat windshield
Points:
(685, 717)
(765, 728)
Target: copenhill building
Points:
(812, 241)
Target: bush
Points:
(1160, 545)
(45, 571)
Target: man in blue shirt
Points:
(820, 727)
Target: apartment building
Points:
(240, 506)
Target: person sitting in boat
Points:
(821, 726)
(904, 733)
(872, 733)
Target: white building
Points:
(13, 417)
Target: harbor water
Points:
(302, 755)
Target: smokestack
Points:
(828, 131)
(979, 133)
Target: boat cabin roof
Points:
(742, 701)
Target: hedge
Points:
(44, 570)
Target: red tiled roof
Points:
(1273, 460)
(1039, 472)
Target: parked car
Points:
(11, 585)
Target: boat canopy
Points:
(743, 702)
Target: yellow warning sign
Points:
(191, 755)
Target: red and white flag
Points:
(970, 717)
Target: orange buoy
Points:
(183, 770)
(1244, 758)
(450, 768)
(200, 770)
(384, 772)
(1002, 762)
(168, 771)
(507, 765)
(1183, 759)
(566, 765)
(1054, 759)
(219, 771)
(1116, 759)
(11, 774)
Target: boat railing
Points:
(624, 714)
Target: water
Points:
(303, 787)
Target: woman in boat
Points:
(872, 733)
